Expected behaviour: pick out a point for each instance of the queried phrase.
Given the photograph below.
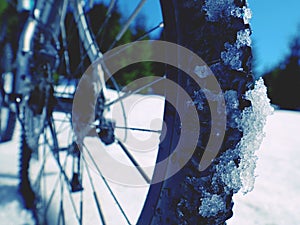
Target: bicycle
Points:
(54, 166)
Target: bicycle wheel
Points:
(71, 186)
(7, 117)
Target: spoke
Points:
(55, 149)
(61, 207)
(107, 185)
(94, 192)
(53, 132)
(59, 215)
(62, 171)
(160, 25)
(111, 6)
(128, 22)
(121, 33)
(60, 178)
(64, 40)
(55, 187)
(139, 129)
(104, 25)
(129, 93)
(41, 170)
(52, 194)
(81, 207)
(118, 93)
(65, 90)
(134, 162)
(62, 130)
(62, 213)
(56, 155)
(65, 48)
(74, 207)
(45, 182)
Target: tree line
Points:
(11, 26)
(283, 81)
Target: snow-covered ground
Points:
(11, 208)
(275, 199)
(276, 196)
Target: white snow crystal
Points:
(244, 13)
(232, 106)
(210, 96)
(251, 123)
(247, 15)
(228, 172)
(243, 38)
(231, 98)
(218, 9)
(232, 55)
(211, 205)
(237, 12)
(202, 71)
(215, 97)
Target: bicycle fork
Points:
(24, 55)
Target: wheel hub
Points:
(106, 132)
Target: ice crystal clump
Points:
(244, 13)
(243, 38)
(237, 12)
(232, 108)
(211, 205)
(202, 71)
(231, 99)
(215, 97)
(252, 124)
(233, 53)
(232, 56)
(199, 102)
(211, 96)
(216, 10)
(227, 171)
(247, 15)
(236, 166)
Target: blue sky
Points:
(274, 24)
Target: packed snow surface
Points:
(274, 199)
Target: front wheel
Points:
(72, 178)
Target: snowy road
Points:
(275, 199)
